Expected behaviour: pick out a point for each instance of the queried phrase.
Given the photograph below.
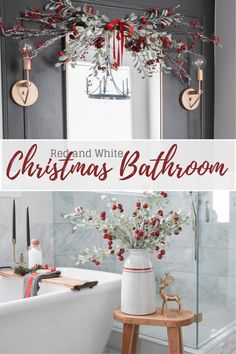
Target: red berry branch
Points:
(148, 226)
(150, 39)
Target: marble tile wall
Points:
(217, 264)
(217, 241)
(68, 244)
(42, 226)
(179, 259)
(217, 249)
(217, 278)
(216, 255)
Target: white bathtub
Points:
(58, 320)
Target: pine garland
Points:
(21, 270)
(152, 39)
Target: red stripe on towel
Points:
(29, 285)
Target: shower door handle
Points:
(194, 223)
(207, 211)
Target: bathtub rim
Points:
(61, 295)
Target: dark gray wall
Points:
(225, 77)
(47, 120)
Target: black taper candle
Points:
(14, 220)
(28, 227)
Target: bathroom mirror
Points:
(123, 106)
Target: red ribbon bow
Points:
(90, 10)
(121, 27)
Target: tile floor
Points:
(109, 350)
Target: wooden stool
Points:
(173, 322)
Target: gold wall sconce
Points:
(190, 98)
(24, 92)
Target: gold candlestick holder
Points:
(21, 261)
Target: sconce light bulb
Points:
(199, 62)
(26, 46)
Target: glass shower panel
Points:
(217, 263)
(181, 262)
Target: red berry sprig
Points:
(103, 215)
(120, 254)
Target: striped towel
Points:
(32, 280)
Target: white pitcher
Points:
(138, 289)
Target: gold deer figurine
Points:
(166, 281)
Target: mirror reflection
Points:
(116, 105)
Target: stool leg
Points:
(181, 345)
(174, 340)
(130, 338)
